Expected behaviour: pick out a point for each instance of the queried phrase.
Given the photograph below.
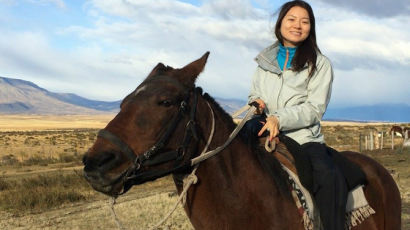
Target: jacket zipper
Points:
(280, 89)
(281, 77)
(286, 60)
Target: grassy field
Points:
(41, 183)
(52, 122)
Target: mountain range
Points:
(24, 97)
(378, 113)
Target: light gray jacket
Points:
(298, 101)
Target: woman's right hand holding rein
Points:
(272, 122)
(261, 106)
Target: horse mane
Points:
(268, 162)
(224, 115)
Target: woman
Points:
(292, 87)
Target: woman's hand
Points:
(272, 125)
(261, 106)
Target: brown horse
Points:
(397, 130)
(166, 121)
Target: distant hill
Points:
(230, 105)
(84, 102)
(24, 97)
(378, 112)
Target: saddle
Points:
(280, 152)
(290, 154)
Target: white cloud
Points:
(371, 56)
(128, 38)
(368, 87)
(374, 8)
(366, 39)
(138, 8)
(58, 3)
(8, 2)
(233, 38)
(85, 71)
(230, 9)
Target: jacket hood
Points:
(266, 59)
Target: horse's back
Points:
(381, 192)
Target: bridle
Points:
(135, 175)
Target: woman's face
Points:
(295, 26)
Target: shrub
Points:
(67, 158)
(38, 160)
(9, 160)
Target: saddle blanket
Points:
(357, 207)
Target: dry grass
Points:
(43, 191)
(397, 162)
(32, 161)
(139, 209)
(44, 147)
(39, 188)
(47, 122)
(357, 124)
(346, 137)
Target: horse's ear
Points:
(159, 68)
(190, 72)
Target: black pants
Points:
(329, 185)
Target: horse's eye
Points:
(165, 103)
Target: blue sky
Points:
(103, 49)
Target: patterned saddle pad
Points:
(357, 207)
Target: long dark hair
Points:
(307, 50)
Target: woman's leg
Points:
(329, 186)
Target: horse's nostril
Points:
(101, 162)
(106, 159)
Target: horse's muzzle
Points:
(102, 172)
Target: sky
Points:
(103, 49)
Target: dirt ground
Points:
(145, 205)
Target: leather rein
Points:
(134, 174)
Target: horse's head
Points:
(140, 137)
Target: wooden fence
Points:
(378, 140)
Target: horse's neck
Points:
(235, 158)
(233, 189)
(233, 166)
